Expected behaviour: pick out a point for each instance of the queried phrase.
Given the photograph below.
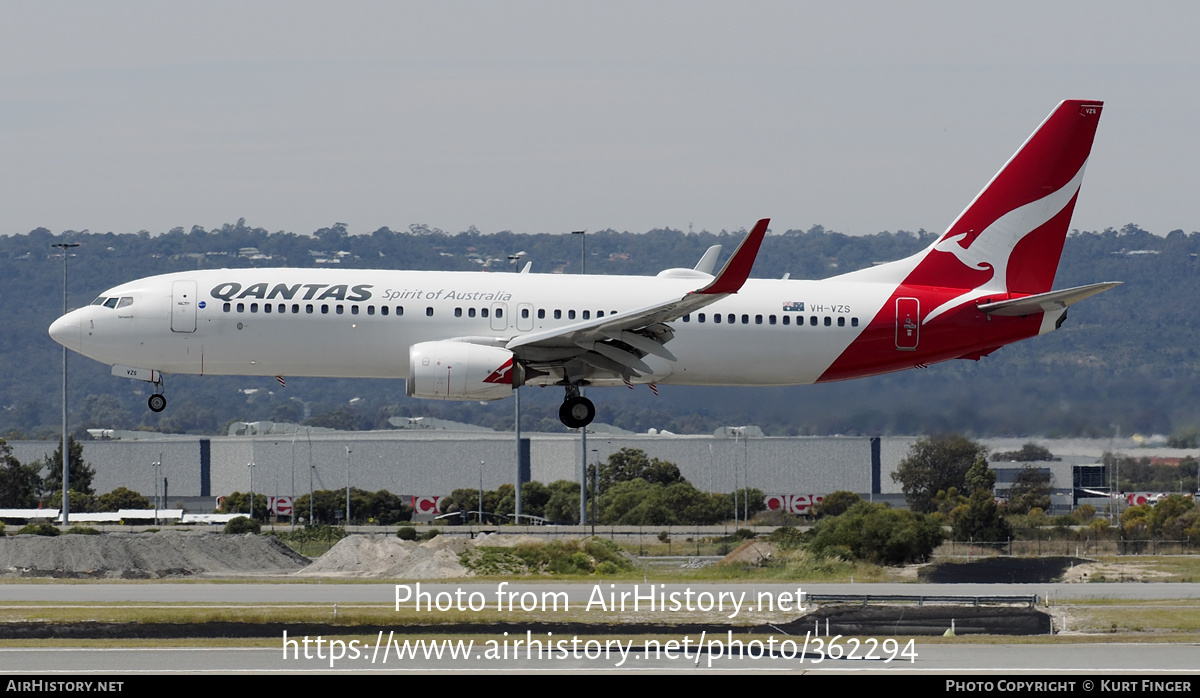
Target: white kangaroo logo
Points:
(992, 248)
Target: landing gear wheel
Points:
(577, 412)
(157, 403)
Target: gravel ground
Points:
(146, 556)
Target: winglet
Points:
(737, 269)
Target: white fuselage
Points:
(325, 322)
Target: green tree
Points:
(1028, 453)
(1172, 515)
(19, 484)
(633, 463)
(876, 533)
(980, 476)
(121, 498)
(1030, 490)
(81, 473)
(980, 519)
(933, 464)
(239, 503)
(563, 504)
(836, 503)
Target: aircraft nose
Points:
(65, 331)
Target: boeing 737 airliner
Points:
(985, 283)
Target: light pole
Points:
(156, 468)
(517, 423)
(595, 486)
(250, 465)
(66, 451)
(311, 467)
(479, 516)
(347, 487)
(583, 478)
(582, 249)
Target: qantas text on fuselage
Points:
(986, 282)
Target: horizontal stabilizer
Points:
(1042, 302)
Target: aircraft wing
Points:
(1042, 302)
(616, 343)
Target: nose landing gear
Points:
(577, 411)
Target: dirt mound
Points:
(389, 557)
(146, 556)
(503, 540)
(751, 552)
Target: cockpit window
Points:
(124, 302)
(99, 301)
(111, 302)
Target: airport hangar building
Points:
(438, 460)
(431, 458)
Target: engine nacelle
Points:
(459, 371)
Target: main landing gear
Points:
(577, 411)
(157, 401)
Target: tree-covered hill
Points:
(1125, 358)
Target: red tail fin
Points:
(1010, 238)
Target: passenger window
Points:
(717, 318)
(812, 320)
(399, 310)
(499, 312)
(338, 309)
(241, 307)
(125, 301)
(854, 322)
(224, 307)
(111, 302)
(599, 313)
(295, 308)
(370, 310)
(828, 321)
(541, 313)
(458, 312)
(324, 308)
(253, 309)
(266, 307)
(483, 312)
(745, 319)
(383, 310)
(687, 318)
(787, 320)
(758, 320)
(524, 316)
(557, 314)
(354, 310)
(700, 317)
(841, 323)
(771, 319)
(428, 313)
(570, 314)
(732, 318)
(470, 312)
(587, 315)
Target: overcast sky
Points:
(556, 116)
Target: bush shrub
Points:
(42, 529)
(243, 524)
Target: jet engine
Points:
(459, 371)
